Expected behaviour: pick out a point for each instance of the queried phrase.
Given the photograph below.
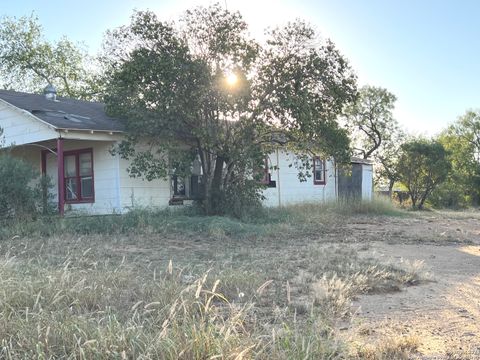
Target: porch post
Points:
(61, 178)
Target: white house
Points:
(69, 140)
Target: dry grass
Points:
(398, 348)
(177, 295)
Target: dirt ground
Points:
(442, 314)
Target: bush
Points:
(22, 193)
(450, 195)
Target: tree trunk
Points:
(423, 199)
(414, 200)
(214, 192)
(391, 183)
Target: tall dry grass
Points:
(80, 304)
(177, 285)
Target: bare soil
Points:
(442, 314)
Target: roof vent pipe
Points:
(50, 92)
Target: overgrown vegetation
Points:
(422, 167)
(462, 141)
(193, 287)
(22, 193)
(293, 220)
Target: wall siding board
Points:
(137, 192)
(294, 191)
(20, 128)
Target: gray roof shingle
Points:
(64, 113)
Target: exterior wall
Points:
(22, 128)
(367, 182)
(136, 192)
(290, 190)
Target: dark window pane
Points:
(178, 186)
(318, 172)
(87, 187)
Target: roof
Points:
(64, 113)
(357, 160)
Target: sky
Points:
(426, 52)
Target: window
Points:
(178, 184)
(78, 173)
(266, 177)
(318, 171)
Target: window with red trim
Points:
(78, 175)
(318, 171)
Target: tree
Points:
(28, 62)
(387, 159)
(423, 165)
(468, 128)
(202, 88)
(371, 121)
(462, 141)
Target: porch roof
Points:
(64, 113)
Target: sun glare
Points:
(232, 79)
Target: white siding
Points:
(21, 128)
(290, 190)
(136, 192)
(367, 182)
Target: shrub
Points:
(23, 193)
(17, 195)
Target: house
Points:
(70, 141)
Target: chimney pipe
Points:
(50, 92)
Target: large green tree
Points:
(202, 87)
(28, 62)
(462, 140)
(370, 120)
(376, 134)
(422, 167)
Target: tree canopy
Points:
(423, 165)
(28, 62)
(462, 141)
(202, 88)
(371, 121)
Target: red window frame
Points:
(323, 181)
(78, 177)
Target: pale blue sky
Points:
(426, 52)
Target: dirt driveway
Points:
(442, 314)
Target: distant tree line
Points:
(443, 171)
